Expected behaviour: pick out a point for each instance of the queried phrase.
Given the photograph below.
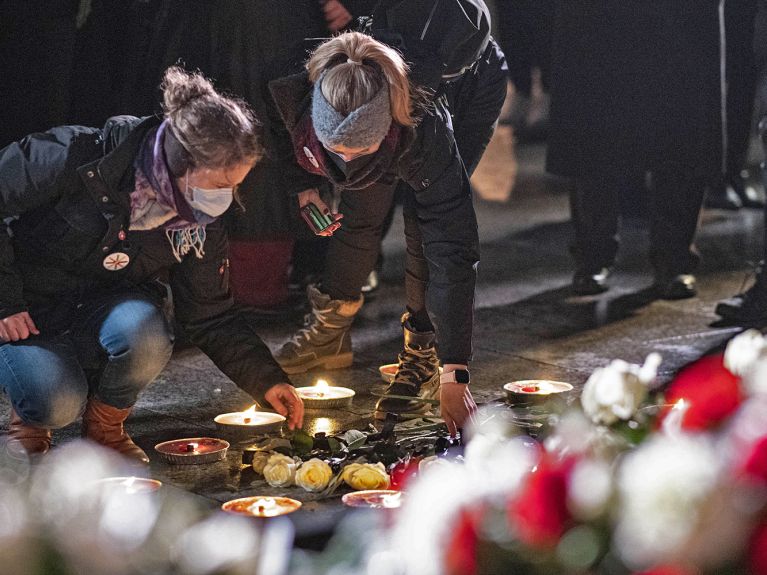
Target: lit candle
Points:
(261, 506)
(130, 485)
(250, 420)
(323, 394)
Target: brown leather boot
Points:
(103, 424)
(35, 440)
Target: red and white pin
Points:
(116, 261)
(310, 156)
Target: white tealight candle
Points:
(324, 395)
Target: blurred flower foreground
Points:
(629, 480)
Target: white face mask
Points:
(210, 202)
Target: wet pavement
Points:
(528, 325)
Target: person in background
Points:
(115, 232)
(621, 105)
(731, 191)
(749, 308)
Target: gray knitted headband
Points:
(364, 127)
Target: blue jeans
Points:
(116, 346)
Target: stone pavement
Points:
(527, 324)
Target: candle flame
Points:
(322, 385)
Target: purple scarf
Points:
(156, 201)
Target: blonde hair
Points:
(356, 68)
(215, 130)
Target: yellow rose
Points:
(314, 475)
(362, 476)
(259, 461)
(280, 470)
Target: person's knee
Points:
(141, 337)
(55, 409)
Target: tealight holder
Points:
(375, 498)
(530, 391)
(130, 485)
(262, 506)
(193, 450)
(324, 396)
(249, 423)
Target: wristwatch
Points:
(457, 376)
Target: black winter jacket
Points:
(430, 164)
(65, 194)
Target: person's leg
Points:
(418, 364)
(674, 211)
(46, 386)
(325, 341)
(124, 342)
(741, 93)
(594, 214)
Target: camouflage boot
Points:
(417, 374)
(325, 340)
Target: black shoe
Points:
(748, 309)
(748, 196)
(586, 282)
(417, 375)
(722, 197)
(681, 286)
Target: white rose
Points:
(616, 391)
(362, 476)
(280, 470)
(663, 486)
(432, 461)
(743, 352)
(314, 475)
(259, 461)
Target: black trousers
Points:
(475, 102)
(675, 202)
(525, 33)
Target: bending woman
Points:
(352, 120)
(104, 221)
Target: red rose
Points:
(757, 552)
(461, 555)
(403, 472)
(539, 513)
(711, 392)
(755, 465)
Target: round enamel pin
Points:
(116, 261)
(311, 157)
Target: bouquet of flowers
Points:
(636, 481)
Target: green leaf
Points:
(335, 445)
(354, 439)
(301, 442)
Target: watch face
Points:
(461, 376)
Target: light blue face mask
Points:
(212, 202)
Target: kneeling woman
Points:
(102, 222)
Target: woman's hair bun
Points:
(180, 87)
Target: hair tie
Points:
(352, 61)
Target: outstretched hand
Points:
(17, 327)
(457, 406)
(337, 16)
(284, 399)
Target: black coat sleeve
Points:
(432, 166)
(207, 313)
(33, 172)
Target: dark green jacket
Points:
(65, 194)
